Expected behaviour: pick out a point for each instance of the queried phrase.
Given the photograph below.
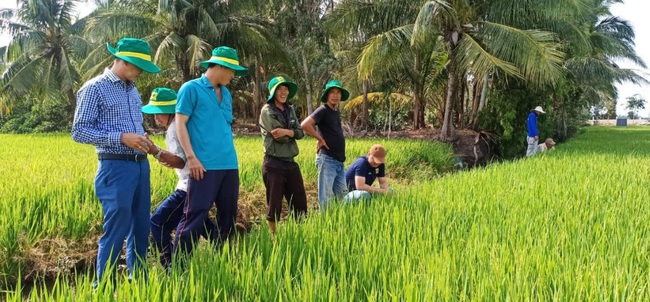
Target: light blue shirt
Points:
(209, 123)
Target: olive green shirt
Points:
(284, 148)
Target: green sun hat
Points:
(277, 81)
(227, 57)
(162, 101)
(345, 94)
(136, 52)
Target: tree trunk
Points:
(448, 132)
(184, 67)
(256, 89)
(460, 106)
(421, 106)
(416, 106)
(72, 101)
(418, 116)
(476, 99)
(483, 93)
(365, 104)
(390, 118)
(305, 69)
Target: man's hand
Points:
(153, 149)
(322, 144)
(196, 167)
(280, 132)
(136, 142)
(537, 137)
(166, 164)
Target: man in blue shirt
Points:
(203, 123)
(108, 116)
(533, 132)
(362, 174)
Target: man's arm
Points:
(383, 183)
(84, 126)
(196, 167)
(167, 158)
(297, 130)
(308, 127)
(272, 126)
(84, 129)
(360, 184)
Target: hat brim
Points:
(345, 94)
(239, 70)
(293, 88)
(146, 66)
(151, 109)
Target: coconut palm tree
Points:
(184, 32)
(379, 33)
(483, 37)
(45, 44)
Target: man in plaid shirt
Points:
(109, 116)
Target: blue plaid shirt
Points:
(106, 108)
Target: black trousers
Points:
(283, 180)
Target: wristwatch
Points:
(157, 156)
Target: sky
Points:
(633, 11)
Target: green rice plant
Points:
(52, 219)
(566, 225)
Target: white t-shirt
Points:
(174, 146)
(542, 148)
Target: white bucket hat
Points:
(539, 109)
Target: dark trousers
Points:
(283, 180)
(220, 187)
(166, 218)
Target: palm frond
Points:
(95, 62)
(112, 25)
(439, 14)
(22, 75)
(535, 53)
(67, 76)
(398, 100)
(386, 50)
(197, 50)
(475, 59)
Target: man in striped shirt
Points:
(109, 116)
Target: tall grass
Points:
(51, 218)
(567, 225)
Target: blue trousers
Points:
(123, 188)
(220, 187)
(331, 180)
(165, 219)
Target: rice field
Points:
(567, 225)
